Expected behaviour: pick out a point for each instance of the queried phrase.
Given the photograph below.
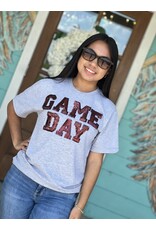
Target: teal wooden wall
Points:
(6, 77)
(15, 27)
(116, 194)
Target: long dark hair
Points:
(70, 70)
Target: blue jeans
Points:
(22, 198)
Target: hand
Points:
(75, 213)
(22, 145)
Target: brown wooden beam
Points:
(142, 21)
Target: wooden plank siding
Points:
(14, 35)
(116, 194)
(8, 73)
(117, 205)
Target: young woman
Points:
(54, 172)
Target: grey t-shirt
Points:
(70, 124)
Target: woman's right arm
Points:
(15, 128)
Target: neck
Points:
(84, 86)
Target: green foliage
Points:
(59, 34)
(100, 29)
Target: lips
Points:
(90, 70)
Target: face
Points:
(90, 70)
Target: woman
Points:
(54, 172)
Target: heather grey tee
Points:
(70, 124)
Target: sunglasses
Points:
(103, 62)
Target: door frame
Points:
(142, 19)
(136, 67)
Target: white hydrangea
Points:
(61, 49)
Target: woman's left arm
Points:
(93, 167)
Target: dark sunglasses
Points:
(103, 62)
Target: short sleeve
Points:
(28, 101)
(107, 140)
